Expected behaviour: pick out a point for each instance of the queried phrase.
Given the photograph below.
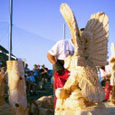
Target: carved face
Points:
(112, 63)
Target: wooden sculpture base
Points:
(102, 109)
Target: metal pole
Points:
(64, 30)
(10, 29)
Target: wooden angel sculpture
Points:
(112, 65)
(82, 88)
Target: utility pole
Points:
(64, 31)
(10, 29)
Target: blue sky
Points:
(38, 24)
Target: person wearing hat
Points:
(56, 56)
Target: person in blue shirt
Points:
(31, 82)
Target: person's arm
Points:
(56, 64)
(54, 51)
(51, 58)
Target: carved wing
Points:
(72, 23)
(95, 38)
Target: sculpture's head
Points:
(81, 32)
(112, 58)
(112, 63)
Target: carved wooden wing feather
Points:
(95, 38)
(72, 23)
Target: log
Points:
(17, 87)
(2, 86)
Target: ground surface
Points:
(5, 109)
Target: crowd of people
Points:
(37, 78)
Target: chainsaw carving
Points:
(2, 85)
(82, 89)
(112, 64)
